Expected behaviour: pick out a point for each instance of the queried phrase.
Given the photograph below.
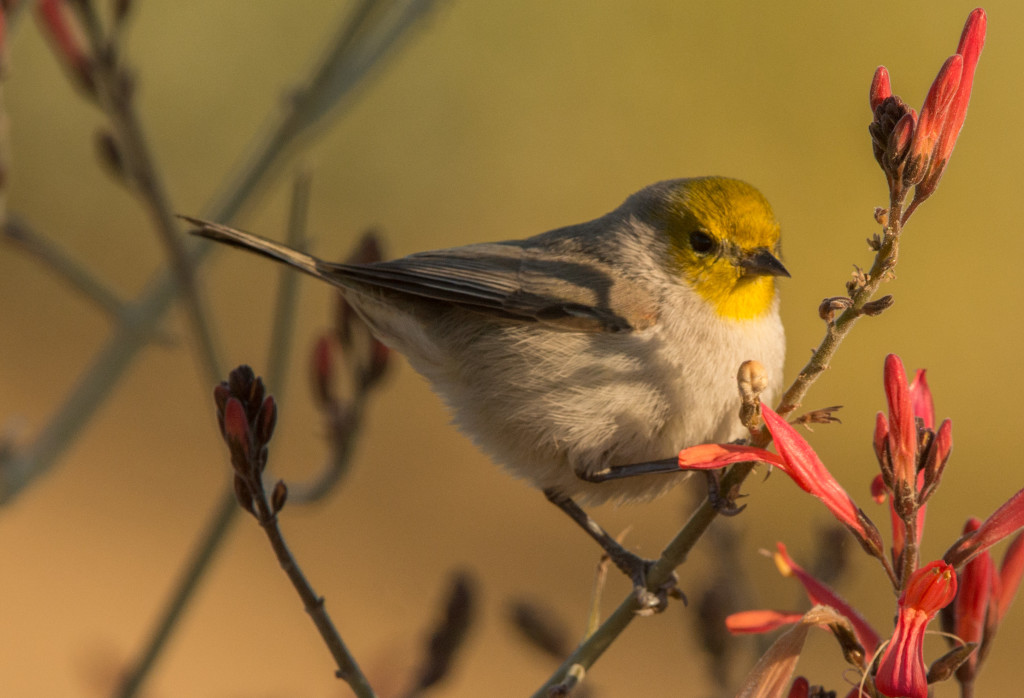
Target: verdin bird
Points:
(589, 353)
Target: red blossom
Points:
(798, 460)
(715, 456)
(912, 151)
(972, 606)
(933, 118)
(880, 440)
(236, 428)
(805, 469)
(1004, 521)
(820, 593)
(902, 437)
(760, 621)
(972, 40)
(1010, 572)
(937, 456)
(901, 671)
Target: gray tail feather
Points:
(255, 243)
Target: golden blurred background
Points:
(494, 121)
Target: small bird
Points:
(583, 359)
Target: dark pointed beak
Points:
(761, 262)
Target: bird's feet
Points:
(638, 570)
(724, 504)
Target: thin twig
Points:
(881, 271)
(246, 415)
(348, 669)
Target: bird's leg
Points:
(634, 566)
(723, 503)
(618, 472)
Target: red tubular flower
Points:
(972, 40)
(715, 456)
(902, 427)
(972, 607)
(820, 593)
(798, 460)
(1004, 521)
(1010, 572)
(760, 621)
(933, 118)
(901, 671)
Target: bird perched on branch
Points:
(583, 359)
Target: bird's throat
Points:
(740, 299)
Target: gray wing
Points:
(550, 279)
(514, 280)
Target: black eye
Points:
(701, 242)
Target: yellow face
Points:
(725, 241)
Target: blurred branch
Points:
(287, 288)
(368, 35)
(17, 232)
(141, 319)
(129, 152)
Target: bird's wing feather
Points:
(527, 281)
(511, 280)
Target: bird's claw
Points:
(650, 602)
(723, 503)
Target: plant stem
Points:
(348, 669)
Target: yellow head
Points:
(725, 240)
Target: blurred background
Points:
(493, 121)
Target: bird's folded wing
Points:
(513, 281)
